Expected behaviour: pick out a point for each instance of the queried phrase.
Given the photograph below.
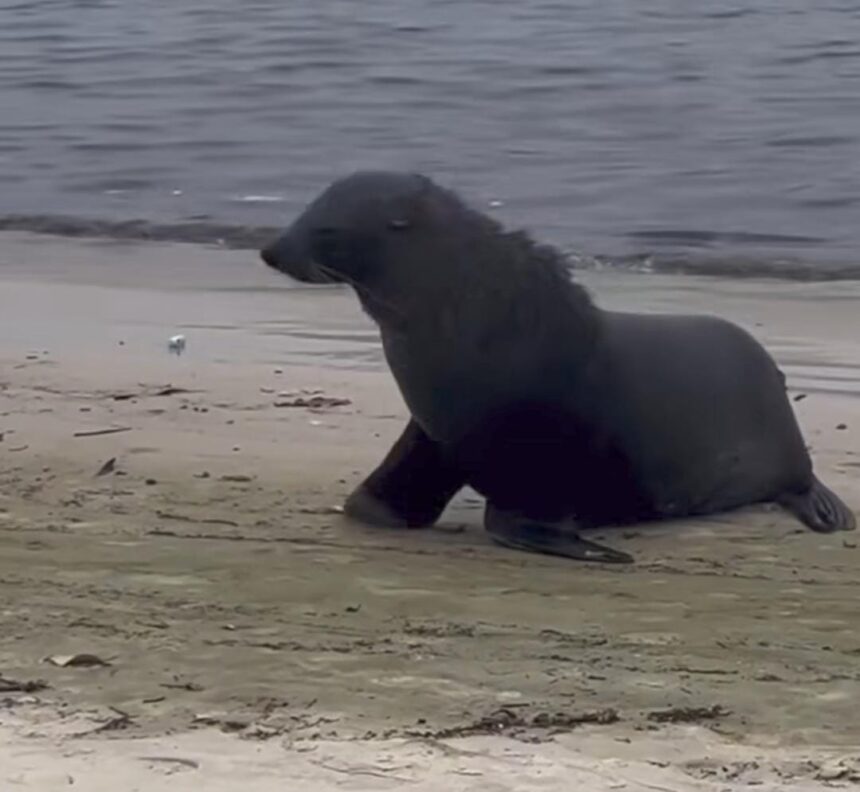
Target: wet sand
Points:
(252, 635)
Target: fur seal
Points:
(561, 414)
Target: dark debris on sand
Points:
(509, 722)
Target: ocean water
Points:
(720, 136)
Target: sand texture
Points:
(182, 606)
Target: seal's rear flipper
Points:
(520, 533)
(819, 509)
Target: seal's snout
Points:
(289, 255)
(281, 255)
(269, 255)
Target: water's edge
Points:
(253, 237)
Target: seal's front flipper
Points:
(819, 509)
(560, 539)
(410, 488)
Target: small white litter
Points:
(176, 344)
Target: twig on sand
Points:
(175, 759)
(107, 467)
(201, 520)
(95, 432)
(17, 686)
(122, 721)
(379, 772)
(167, 390)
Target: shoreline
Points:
(700, 258)
(242, 597)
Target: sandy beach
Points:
(183, 607)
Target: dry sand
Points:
(253, 637)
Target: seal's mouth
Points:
(284, 257)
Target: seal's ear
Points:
(343, 251)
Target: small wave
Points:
(252, 237)
(726, 266)
(812, 141)
(259, 198)
(696, 238)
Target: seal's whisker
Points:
(369, 295)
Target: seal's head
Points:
(418, 257)
(350, 228)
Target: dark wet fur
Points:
(561, 414)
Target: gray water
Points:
(670, 133)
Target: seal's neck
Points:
(506, 327)
(492, 291)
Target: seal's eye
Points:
(398, 224)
